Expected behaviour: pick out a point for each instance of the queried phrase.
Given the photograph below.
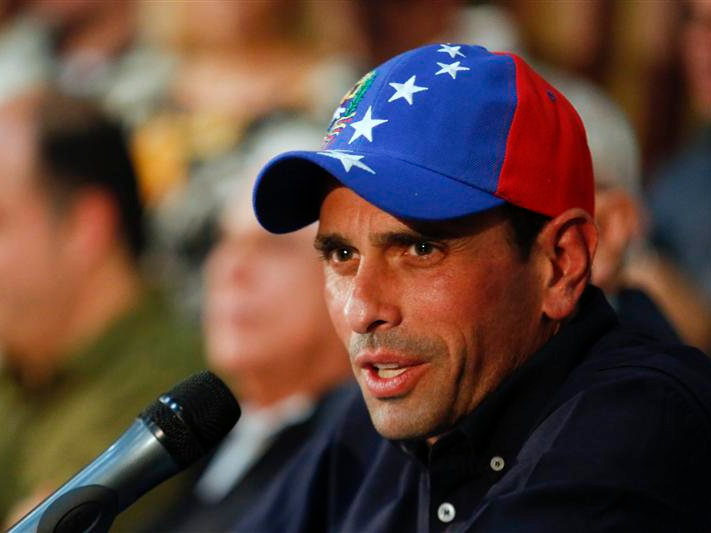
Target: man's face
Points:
(434, 315)
(34, 291)
(264, 301)
(697, 53)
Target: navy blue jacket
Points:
(602, 430)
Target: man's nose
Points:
(228, 264)
(373, 304)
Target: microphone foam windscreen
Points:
(194, 416)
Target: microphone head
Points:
(192, 417)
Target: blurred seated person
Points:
(22, 42)
(635, 279)
(680, 193)
(93, 49)
(256, 59)
(86, 344)
(269, 337)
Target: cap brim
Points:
(289, 190)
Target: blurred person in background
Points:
(268, 335)
(86, 344)
(624, 255)
(87, 48)
(240, 62)
(23, 40)
(680, 192)
(389, 29)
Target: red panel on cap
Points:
(547, 166)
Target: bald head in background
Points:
(266, 323)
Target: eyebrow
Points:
(330, 241)
(400, 238)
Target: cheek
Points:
(444, 297)
(306, 318)
(30, 264)
(337, 292)
(507, 310)
(473, 307)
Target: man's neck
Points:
(103, 296)
(112, 290)
(266, 386)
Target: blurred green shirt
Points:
(49, 434)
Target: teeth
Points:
(386, 373)
(386, 366)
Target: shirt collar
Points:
(87, 360)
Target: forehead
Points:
(17, 154)
(238, 221)
(237, 211)
(342, 207)
(346, 213)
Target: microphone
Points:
(169, 435)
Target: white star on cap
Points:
(453, 51)
(349, 160)
(405, 90)
(364, 127)
(450, 69)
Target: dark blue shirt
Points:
(601, 430)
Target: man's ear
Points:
(568, 244)
(620, 222)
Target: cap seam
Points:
(506, 137)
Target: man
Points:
(619, 215)
(455, 200)
(89, 49)
(268, 336)
(679, 196)
(85, 344)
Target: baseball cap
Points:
(436, 133)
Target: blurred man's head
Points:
(70, 224)
(266, 323)
(697, 53)
(72, 15)
(615, 152)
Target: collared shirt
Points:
(600, 430)
(247, 442)
(638, 312)
(190, 513)
(50, 433)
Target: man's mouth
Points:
(390, 376)
(388, 370)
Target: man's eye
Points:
(341, 255)
(422, 248)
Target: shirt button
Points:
(497, 463)
(446, 512)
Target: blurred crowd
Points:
(130, 134)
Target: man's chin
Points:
(394, 419)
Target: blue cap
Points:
(437, 133)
